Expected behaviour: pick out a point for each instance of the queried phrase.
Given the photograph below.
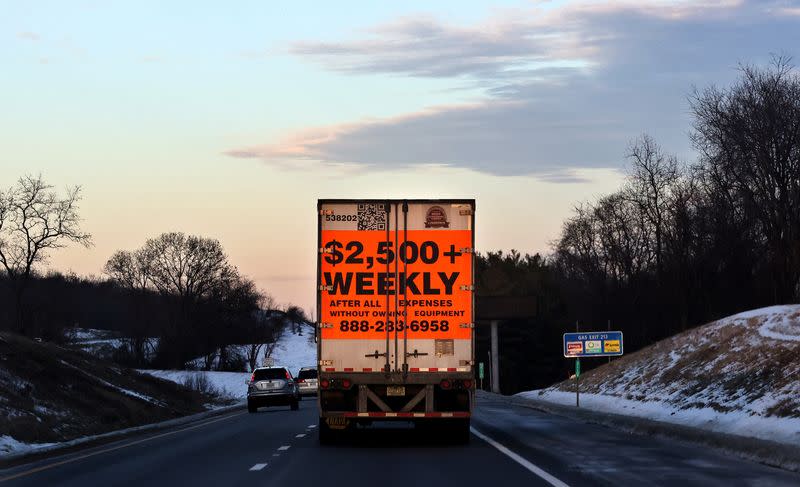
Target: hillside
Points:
(294, 349)
(54, 394)
(738, 375)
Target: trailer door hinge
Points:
(325, 288)
(326, 325)
(324, 363)
(325, 250)
(467, 288)
(326, 212)
(464, 212)
(467, 325)
(466, 362)
(466, 250)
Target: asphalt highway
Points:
(510, 445)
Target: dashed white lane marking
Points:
(114, 448)
(301, 435)
(257, 467)
(517, 458)
(276, 454)
(311, 426)
(284, 448)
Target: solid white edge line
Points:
(257, 467)
(519, 459)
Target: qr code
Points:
(371, 216)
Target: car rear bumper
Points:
(272, 398)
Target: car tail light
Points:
(252, 377)
(467, 384)
(324, 384)
(300, 380)
(288, 376)
(346, 383)
(445, 384)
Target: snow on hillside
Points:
(227, 384)
(104, 343)
(296, 350)
(293, 350)
(9, 445)
(739, 375)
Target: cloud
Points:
(28, 36)
(566, 88)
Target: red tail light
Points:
(445, 384)
(300, 380)
(324, 384)
(288, 375)
(467, 384)
(253, 377)
(346, 383)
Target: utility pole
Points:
(495, 360)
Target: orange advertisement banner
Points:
(423, 277)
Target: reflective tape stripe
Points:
(452, 414)
(412, 369)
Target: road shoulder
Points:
(765, 452)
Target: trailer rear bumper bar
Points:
(353, 414)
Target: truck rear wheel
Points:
(326, 434)
(459, 429)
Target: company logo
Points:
(574, 348)
(436, 218)
(611, 346)
(593, 346)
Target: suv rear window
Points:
(307, 374)
(270, 374)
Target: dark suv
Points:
(272, 386)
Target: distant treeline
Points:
(177, 289)
(678, 245)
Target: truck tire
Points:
(326, 434)
(459, 429)
(251, 408)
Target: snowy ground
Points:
(228, 384)
(292, 351)
(103, 343)
(739, 375)
(9, 445)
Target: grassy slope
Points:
(747, 363)
(49, 393)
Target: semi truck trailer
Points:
(395, 301)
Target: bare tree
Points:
(133, 271)
(296, 317)
(653, 175)
(263, 330)
(749, 139)
(186, 266)
(34, 220)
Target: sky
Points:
(229, 120)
